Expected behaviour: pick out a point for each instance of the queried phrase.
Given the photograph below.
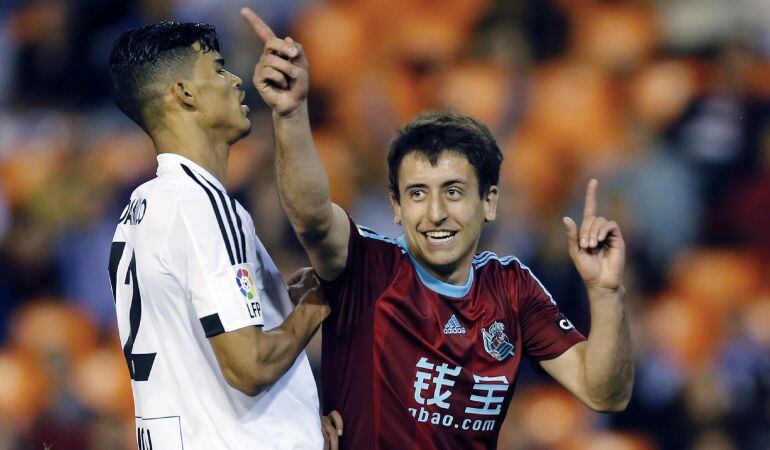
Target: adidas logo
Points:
(453, 326)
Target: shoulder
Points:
(515, 272)
(242, 213)
(378, 240)
(174, 188)
(169, 198)
(156, 199)
(198, 210)
(188, 191)
(488, 263)
(492, 262)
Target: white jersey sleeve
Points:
(224, 288)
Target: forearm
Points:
(278, 348)
(303, 186)
(252, 361)
(609, 364)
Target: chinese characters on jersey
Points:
(433, 385)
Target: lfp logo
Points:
(245, 283)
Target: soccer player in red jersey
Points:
(425, 338)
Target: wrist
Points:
(305, 319)
(313, 312)
(295, 114)
(609, 293)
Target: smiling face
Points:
(442, 212)
(219, 98)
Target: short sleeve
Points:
(546, 332)
(369, 269)
(225, 293)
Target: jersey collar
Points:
(173, 161)
(433, 283)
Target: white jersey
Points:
(186, 265)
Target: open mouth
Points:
(439, 237)
(242, 98)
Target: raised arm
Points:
(599, 372)
(252, 360)
(282, 79)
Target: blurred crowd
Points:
(666, 102)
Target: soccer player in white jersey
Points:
(213, 343)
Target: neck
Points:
(195, 144)
(456, 277)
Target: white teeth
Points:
(439, 235)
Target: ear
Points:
(490, 204)
(396, 209)
(184, 95)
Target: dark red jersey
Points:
(414, 363)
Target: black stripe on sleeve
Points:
(240, 229)
(238, 253)
(216, 212)
(212, 326)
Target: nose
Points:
(436, 211)
(238, 80)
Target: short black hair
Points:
(432, 133)
(142, 57)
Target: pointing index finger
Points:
(589, 210)
(263, 31)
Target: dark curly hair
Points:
(432, 133)
(142, 59)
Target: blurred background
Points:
(667, 102)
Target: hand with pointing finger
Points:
(597, 249)
(282, 74)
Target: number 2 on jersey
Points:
(139, 364)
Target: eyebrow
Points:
(220, 61)
(443, 185)
(414, 186)
(451, 182)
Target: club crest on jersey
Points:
(496, 342)
(245, 284)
